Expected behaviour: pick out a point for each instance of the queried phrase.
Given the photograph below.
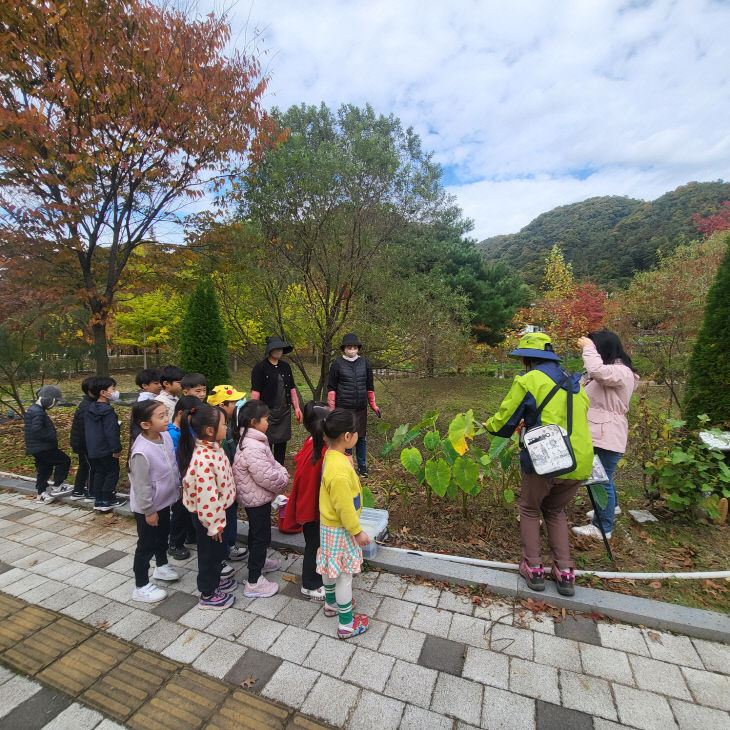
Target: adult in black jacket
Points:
(272, 382)
(41, 442)
(350, 386)
(78, 445)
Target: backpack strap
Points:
(555, 389)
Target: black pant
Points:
(106, 476)
(150, 541)
(84, 478)
(259, 539)
(181, 525)
(210, 558)
(230, 531)
(311, 579)
(279, 452)
(51, 461)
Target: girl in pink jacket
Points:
(259, 478)
(611, 382)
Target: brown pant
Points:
(548, 496)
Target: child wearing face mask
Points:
(41, 442)
(103, 443)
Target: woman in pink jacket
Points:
(259, 478)
(611, 382)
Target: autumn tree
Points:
(715, 222)
(114, 114)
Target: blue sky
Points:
(526, 105)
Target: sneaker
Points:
(330, 611)
(226, 570)
(227, 585)
(590, 530)
(359, 625)
(62, 490)
(45, 497)
(363, 472)
(88, 497)
(616, 511)
(315, 594)
(148, 594)
(565, 580)
(238, 553)
(271, 565)
(178, 553)
(218, 600)
(117, 502)
(534, 577)
(262, 588)
(165, 572)
(102, 506)
(77, 496)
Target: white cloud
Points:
(516, 99)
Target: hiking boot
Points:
(62, 490)
(359, 626)
(590, 531)
(226, 569)
(238, 552)
(565, 581)
(218, 600)
(227, 585)
(148, 594)
(315, 594)
(271, 565)
(534, 577)
(262, 588)
(178, 553)
(165, 572)
(45, 497)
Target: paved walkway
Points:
(431, 659)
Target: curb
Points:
(694, 622)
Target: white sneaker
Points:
(315, 594)
(45, 497)
(590, 530)
(271, 565)
(226, 569)
(262, 588)
(149, 594)
(616, 511)
(165, 572)
(62, 490)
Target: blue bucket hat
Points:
(537, 345)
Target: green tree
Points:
(708, 384)
(203, 347)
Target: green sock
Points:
(329, 594)
(345, 610)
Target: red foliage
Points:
(720, 221)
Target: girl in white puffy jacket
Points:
(259, 478)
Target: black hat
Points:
(350, 339)
(276, 343)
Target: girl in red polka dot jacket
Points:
(208, 490)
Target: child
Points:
(103, 444)
(155, 482)
(340, 504)
(78, 446)
(194, 384)
(227, 398)
(302, 510)
(259, 478)
(148, 382)
(41, 442)
(181, 523)
(170, 377)
(208, 490)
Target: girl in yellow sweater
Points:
(342, 539)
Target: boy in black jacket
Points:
(41, 442)
(84, 479)
(103, 443)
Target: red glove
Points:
(255, 395)
(295, 403)
(371, 401)
(331, 399)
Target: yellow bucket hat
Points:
(223, 393)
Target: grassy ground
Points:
(491, 529)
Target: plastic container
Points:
(375, 523)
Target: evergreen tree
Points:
(708, 384)
(203, 347)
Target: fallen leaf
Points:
(563, 613)
(102, 625)
(655, 584)
(249, 681)
(654, 636)
(289, 578)
(32, 563)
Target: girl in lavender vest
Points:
(155, 480)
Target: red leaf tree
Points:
(720, 221)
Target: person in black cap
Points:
(272, 382)
(350, 386)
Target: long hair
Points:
(251, 410)
(141, 411)
(313, 416)
(338, 422)
(610, 348)
(193, 424)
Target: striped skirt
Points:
(339, 553)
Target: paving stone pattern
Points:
(431, 659)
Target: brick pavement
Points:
(430, 660)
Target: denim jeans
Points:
(609, 459)
(361, 451)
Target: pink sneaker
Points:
(565, 581)
(271, 565)
(217, 601)
(262, 588)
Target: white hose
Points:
(596, 573)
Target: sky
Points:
(526, 105)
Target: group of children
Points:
(192, 461)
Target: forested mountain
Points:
(608, 238)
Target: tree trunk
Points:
(98, 330)
(144, 358)
(320, 391)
